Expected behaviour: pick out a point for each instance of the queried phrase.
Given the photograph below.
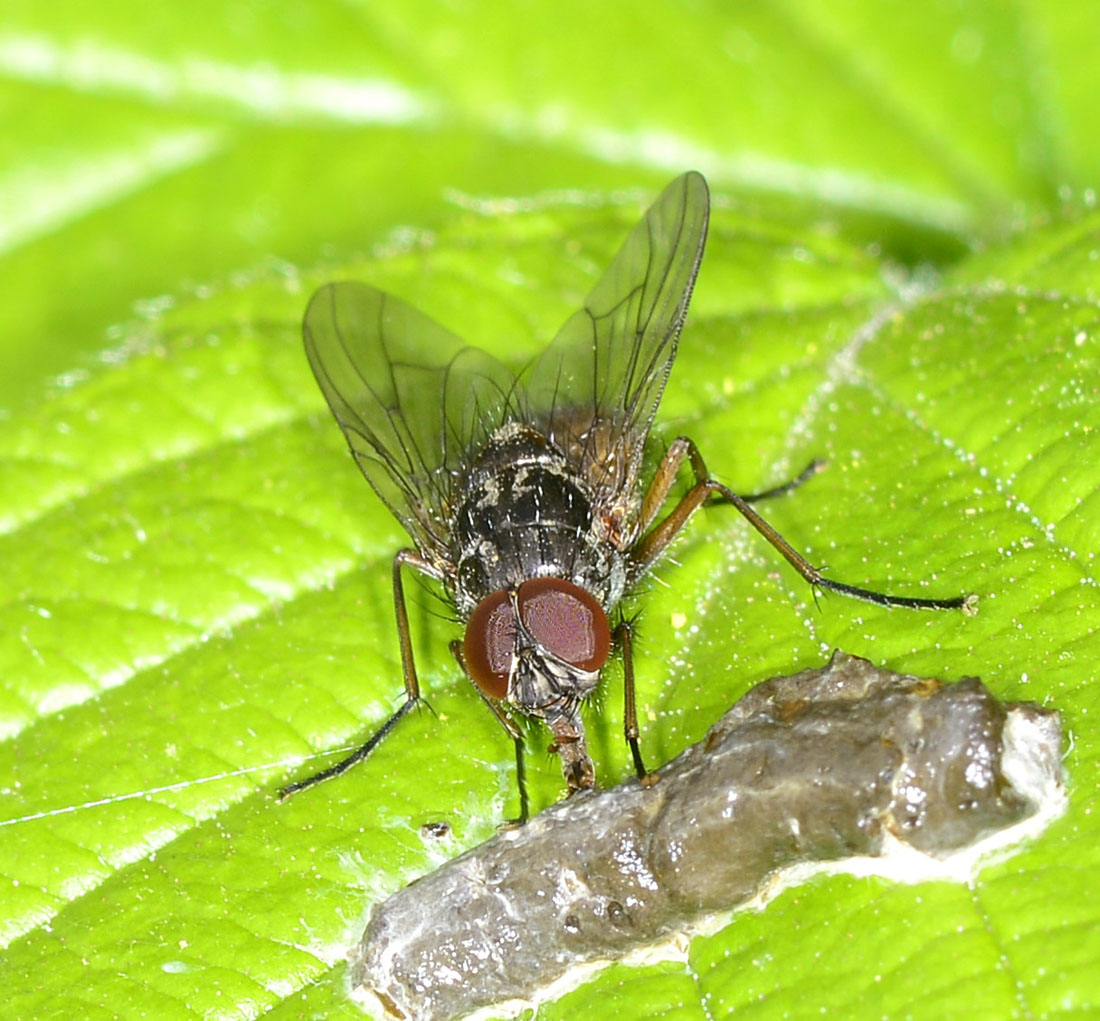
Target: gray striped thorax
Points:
(528, 513)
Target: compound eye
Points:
(566, 621)
(490, 643)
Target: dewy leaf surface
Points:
(195, 602)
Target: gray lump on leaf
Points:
(829, 764)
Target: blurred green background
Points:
(901, 277)
(148, 150)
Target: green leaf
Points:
(196, 599)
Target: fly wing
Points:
(596, 388)
(410, 399)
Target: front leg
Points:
(510, 729)
(404, 558)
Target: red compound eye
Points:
(563, 618)
(490, 643)
(566, 621)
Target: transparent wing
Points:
(596, 388)
(409, 397)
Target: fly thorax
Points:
(526, 514)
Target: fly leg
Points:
(404, 558)
(683, 449)
(807, 473)
(510, 729)
(630, 707)
(656, 542)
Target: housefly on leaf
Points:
(523, 492)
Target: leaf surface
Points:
(195, 604)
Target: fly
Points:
(523, 493)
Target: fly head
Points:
(540, 646)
